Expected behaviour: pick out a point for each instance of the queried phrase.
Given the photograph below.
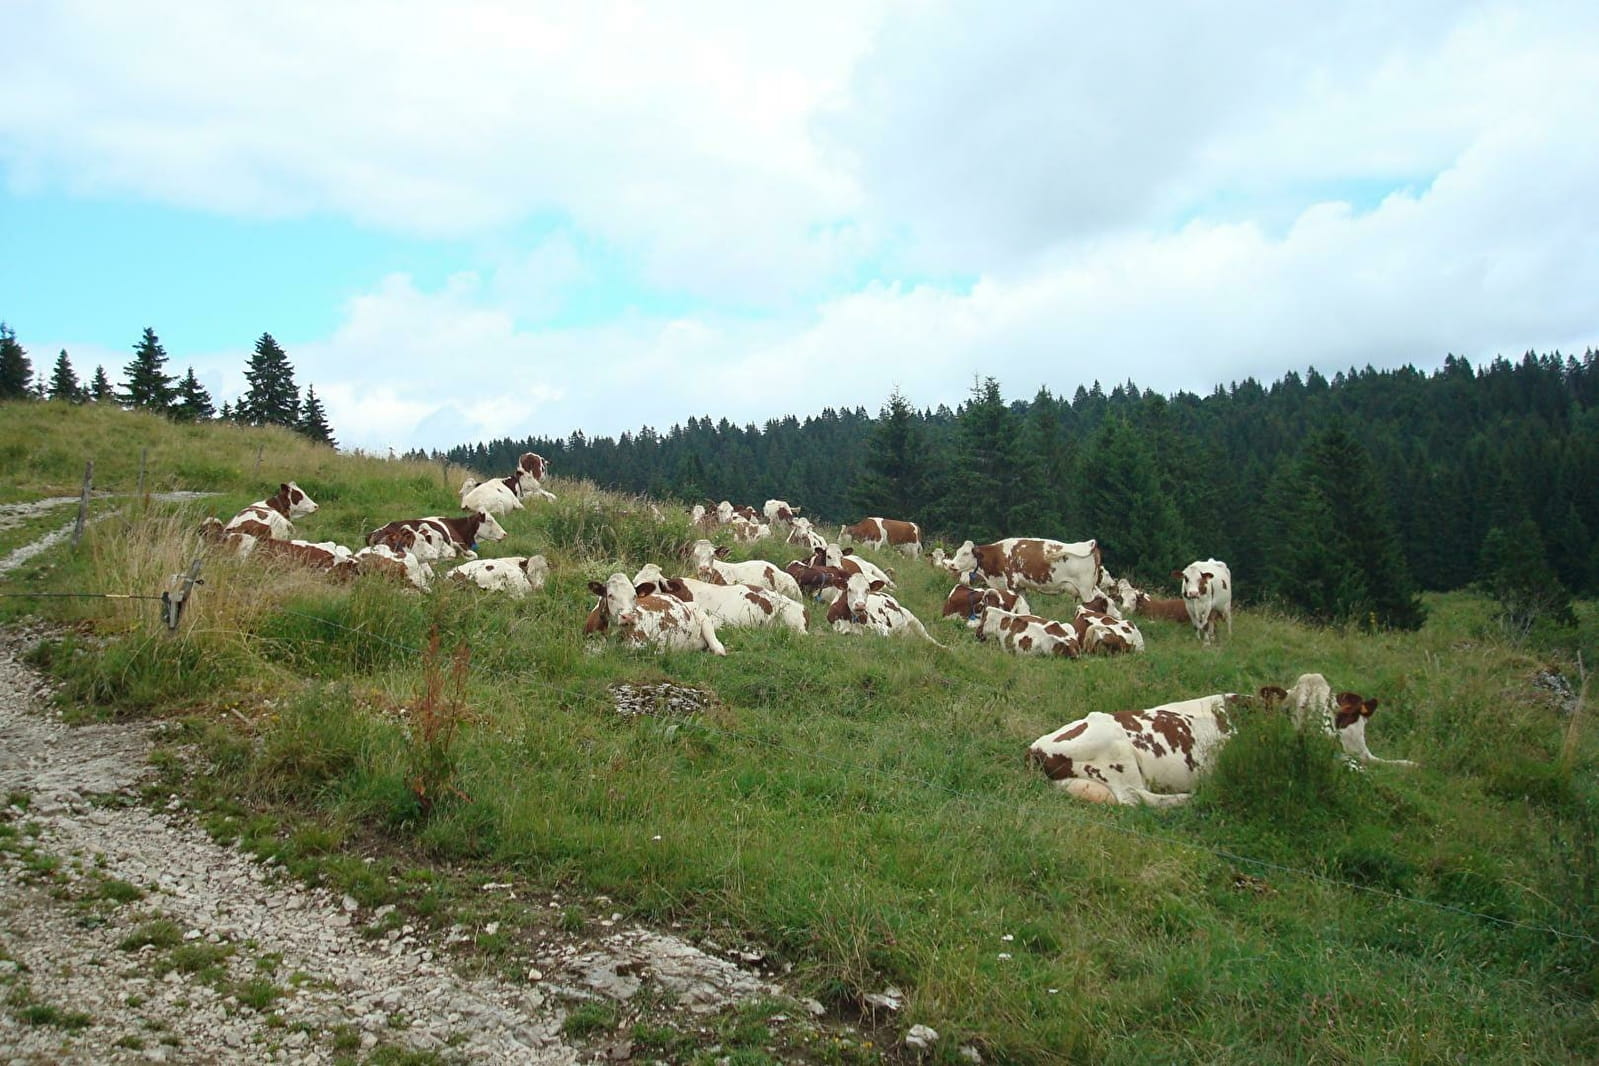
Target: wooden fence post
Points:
(83, 503)
(144, 454)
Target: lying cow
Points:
(710, 564)
(965, 601)
(514, 575)
(1027, 634)
(728, 605)
(531, 469)
(823, 583)
(272, 517)
(1155, 757)
(801, 533)
(438, 537)
(336, 559)
(1105, 633)
(1169, 609)
(662, 622)
(1208, 593)
(885, 533)
(395, 564)
(866, 608)
(497, 495)
(834, 555)
(1050, 566)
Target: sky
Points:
(479, 220)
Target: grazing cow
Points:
(709, 562)
(1173, 609)
(728, 605)
(531, 469)
(336, 559)
(1155, 757)
(395, 564)
(884, 532)
(1031, 563)
(497, 495)
(968, 602)
(833, 555)
(778, 513)
(866, 608)
(801, 533)
(437, 537)
(661, 621)
(1101, 632)
(514, 575)
(1027, 634)
(1208, 592)
(272, 517)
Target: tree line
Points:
(1341, 497)
(272, 398)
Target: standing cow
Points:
(884, 533)
(1016, 563)
(1208, 595)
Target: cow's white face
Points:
(621, 600)
(965, 558)
(724, 512)
(300, 504)
(490, 529)
(855, 593)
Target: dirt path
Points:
(127, 935)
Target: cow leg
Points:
(708, 631)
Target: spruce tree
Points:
(894, 481)
(314, 420)
(148, 384)
(1517, 574)
(272, 398)
(64, 383)
(1131, 515)
(16, 369)
(194, 402)
(100, 389)
(989, 466)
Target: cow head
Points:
(618, 602)
(965, 560)
(1351, 709)
(537, 569)
(488, 528)
(856, 590)
(295, 500)
(532, 465)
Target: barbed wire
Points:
(1077, 812)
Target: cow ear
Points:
(1177, 574)
(284, 488)
(596, 588)
(1367, 707)
(847, 551)
(876, 586)
(646, 589)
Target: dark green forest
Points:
(1413, 473)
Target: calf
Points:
(514, 575)
(1027, 634)
(968, 602)
(437, 537)
(1208, 592)
(709, 562)
(884, 533)
(496, 496)
(1174, 609)
(1155, 757)
(272, 517)
(663, 622)
(1098, 631)
(865, 608)
(395, 564)
(728, 605)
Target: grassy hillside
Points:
(856, 808)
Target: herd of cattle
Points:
(1132, 757)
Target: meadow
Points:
(859, 810)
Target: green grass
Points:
(861, 808)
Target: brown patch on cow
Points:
(1025, 642)
(1114, 643)
(838, 611)
(1056, 767)
(1072, 731)
(1118, 767)
(1027, 558)
(1175, 730)
(761, 601)
(1168, 610)
(252, 528)
(1351, 709)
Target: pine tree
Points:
(64, 383)
(894, 481)
(100, 390)
(148, 384)
(16, 369)
(314, 420)
(1337, 553)
(1517, 574)
(989, 467)
(271, 399)
(194, 402)
(1134, 519)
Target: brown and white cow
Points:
(662, 622)
(395, 564)
(884, 533)
(438, 537)
(531, 469)
(779, 513)
(866, 608)
(1156, 756)
(709, 564)
(834, 555)
(514, 575)
(800, 532)
(1208, 592)
(1027, 634)
(967, 601)
(1031, 563)
(1169, 609)
(497, 495)
(272, 517)
(823, 583)
(1098, 631)
(336, 559)
(728, 605)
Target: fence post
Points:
(83, 503)
(144, 454)
(444, 472)
(259, 448)
(172, 603)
